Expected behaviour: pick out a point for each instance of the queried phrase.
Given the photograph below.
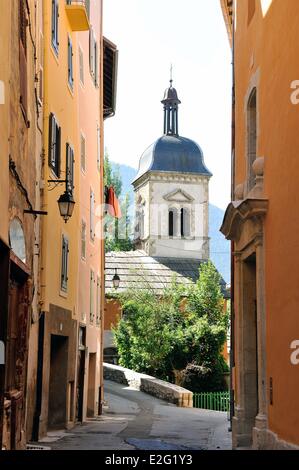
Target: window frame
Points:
(54, 150)
(55, 26)
(70, 62)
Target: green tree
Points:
(176, 340)
(117, 231)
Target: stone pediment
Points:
(178, 195)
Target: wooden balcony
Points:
(78, 14)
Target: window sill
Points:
(63, 294)
(55, 53)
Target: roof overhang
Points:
(227, 10)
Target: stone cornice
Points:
(238, 212)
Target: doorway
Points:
(91, 385)
(80, 385)
(58, 382)
(250, 344)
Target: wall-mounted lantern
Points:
(116, 280)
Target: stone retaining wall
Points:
(145, 383)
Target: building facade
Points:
(21, 148)
(262, 222)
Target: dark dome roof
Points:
(173, 154)
(170, 94)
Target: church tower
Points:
(172, 193)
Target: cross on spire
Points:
(171, 80)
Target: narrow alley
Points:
(135, 420)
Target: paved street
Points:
(134, 420)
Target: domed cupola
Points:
(171, 152)
(172, 193)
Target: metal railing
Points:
(217, 401)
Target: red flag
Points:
(113, 204)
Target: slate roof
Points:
(136, 270)
(173, 154)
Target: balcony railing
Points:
(78, 12)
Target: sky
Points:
(150, 36)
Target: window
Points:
(98, 317)
(92, 214)
(170, 223)
(54, 145)
(83, 239)
(70, 62)
(23, 57)
(98, 147)
(69, 168)
(91, 52)
(91, 293)
(251, 137)
(93, 57)
(96, 64)
(81, 66)
(64, 263)
(83, 153)
(55, 17)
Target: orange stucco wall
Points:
(112, 313)
(268, 49)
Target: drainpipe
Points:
(232, 315)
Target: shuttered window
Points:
(91, 293)
(70, 62)
(55, 24)
(99, 147)
(54, 145)
(41, 68)
(69, 168)
(81, 66)
(91, 52)
(23, 57)
(92, 215)
(64, 263)
(83, 153)
(83, 239)
(96, 63)
(98, 300)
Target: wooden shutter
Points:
(83, 239)
(57, 149)
(51, 141)
(83, 153)
(96, 64)
(70, 62)
(91, 51)
(64, 263)
(91, 302)
(70, 168)
(92, 214)
(81, 65)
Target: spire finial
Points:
(171, 80)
